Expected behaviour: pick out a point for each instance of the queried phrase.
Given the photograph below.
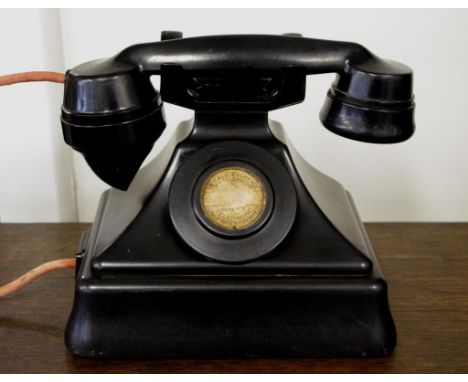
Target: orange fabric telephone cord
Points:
(16, 78)
(35, 273)
(50, 266)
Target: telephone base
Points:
(228, 316)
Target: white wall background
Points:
(423, 179)
(36, 172)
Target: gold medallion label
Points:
(233, 198)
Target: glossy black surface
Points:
(154, 280)
(150, 294)
(363, 122)
(113, 119)
(165, 238)
(109, 101)
(235, 249)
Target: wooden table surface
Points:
(426, 266)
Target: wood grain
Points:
(426, 266)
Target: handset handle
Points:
(237, 52)
(363, 78)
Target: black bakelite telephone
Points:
(228, 244)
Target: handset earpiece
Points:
(371, 101)
(112, 115)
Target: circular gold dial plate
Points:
(233, 198)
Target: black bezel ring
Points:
(232, 249)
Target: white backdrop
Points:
(423, 179)
(36, 172)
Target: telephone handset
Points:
(228, 244)
(111, 104)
